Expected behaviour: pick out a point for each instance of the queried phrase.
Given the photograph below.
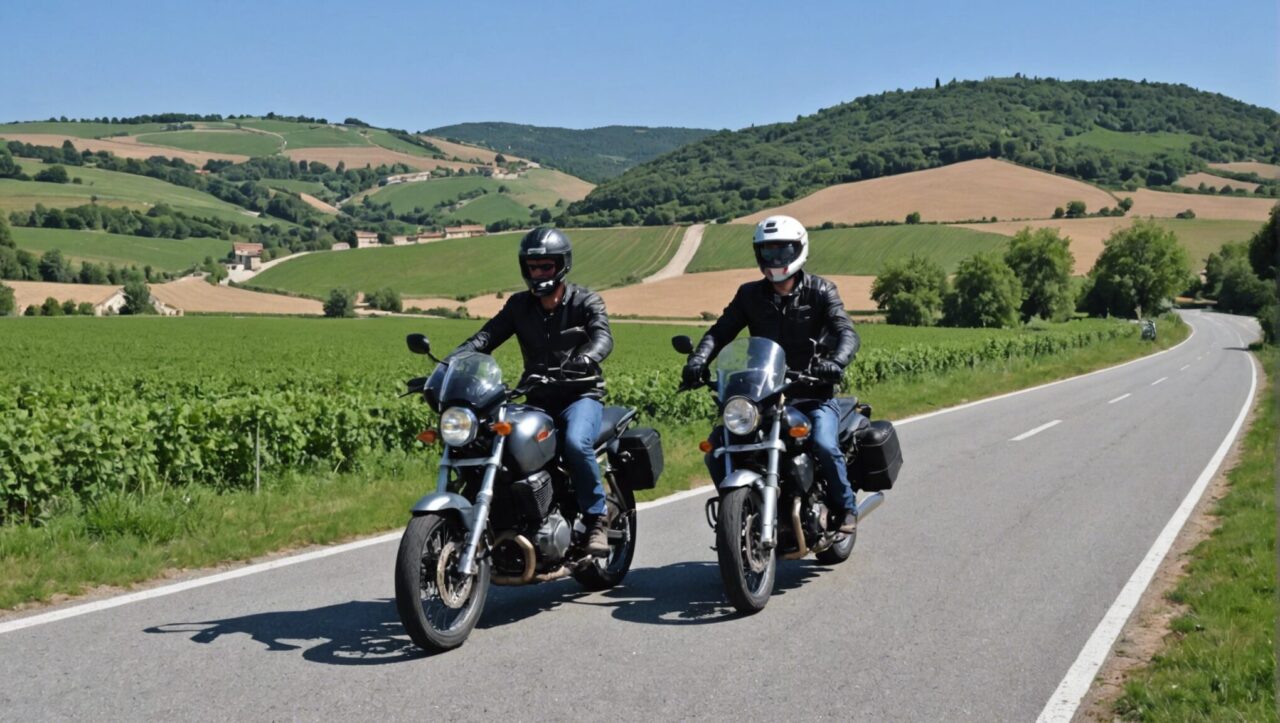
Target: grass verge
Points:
(1219, 661)
(126, 539)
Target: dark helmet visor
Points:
(777, 255)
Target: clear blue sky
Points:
(418, 65)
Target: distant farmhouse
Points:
(247, 256)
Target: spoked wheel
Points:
(747, 568)
(438, 605)
(602, 573)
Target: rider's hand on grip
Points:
(579, 367)
(693, 375)
(827, 370)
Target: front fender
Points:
(441, 501)
(741, 478)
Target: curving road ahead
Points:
(971, 595)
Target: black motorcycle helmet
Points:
(545, 243)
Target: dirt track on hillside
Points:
(960, 192)
(1163, 204)
(193, 294)
(360, 156)
(123, 146)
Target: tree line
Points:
(1033, 122)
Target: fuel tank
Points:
(532, 443)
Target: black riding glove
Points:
(827, 370)
(579, 367)
(693, 373)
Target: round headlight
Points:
(740, 416)
(458, 426)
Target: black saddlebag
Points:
(638, 461)
(878, 458)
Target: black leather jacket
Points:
(543, 342)
(812, 309)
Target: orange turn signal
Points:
(428, 436)
(798, 432)
(502, 429)
(705, 445)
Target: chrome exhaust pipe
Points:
(868, 505)
(802, 549)
(527, 553)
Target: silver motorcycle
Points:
(504, 511)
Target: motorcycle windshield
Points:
(472, 378)
(754, 368)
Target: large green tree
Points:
(910, 292)
(1264, 247)
(137, 298)
(1042, 261)
(8, 305)
(985, 293)
(1140, 269)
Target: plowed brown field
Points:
(1208, 179)
(360, 156)
(1265, 170)
(123, 146)
(193, 294)
(465, 152)
(1086, 234)
(316, 203)
(959, 192)
(26, 293)
(1165, 205)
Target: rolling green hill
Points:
(475, 266)
(488, 209)
(594, 154)
(1109, 132)
(539, 187)
(855, 251)
(220, 141)
(163, 254)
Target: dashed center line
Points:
(1122, 396)
(1037, 430)
(1184, 367)
(1158, 381)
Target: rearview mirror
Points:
(682, 344)
(418, 343)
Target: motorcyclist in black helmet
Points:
(539, 319)
(793, 309)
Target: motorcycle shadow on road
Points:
(688, 593)
(360, 632)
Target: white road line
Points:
(1006, 395)
(1158, 381)
(1036, 431)
(1184, 367)
(71, 612)
(1122, 396)
(1064, 701)
(77, 610)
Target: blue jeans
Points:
(825, 444)
(579, 425)
(826, 448)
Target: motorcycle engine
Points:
(552, 538)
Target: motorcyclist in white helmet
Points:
(794, 309)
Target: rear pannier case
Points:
(638, 460)
(878, 458)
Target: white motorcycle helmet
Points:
(781, 244)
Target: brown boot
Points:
(597, 535)
(848, 521)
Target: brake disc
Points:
(751, 546)
(452, 590)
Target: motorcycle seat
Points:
(612, 421)
(849, 417)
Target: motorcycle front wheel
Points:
(747, 569)
(438, 605)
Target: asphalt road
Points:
(971, 592)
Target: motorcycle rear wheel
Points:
(607, 572)
(438, 618)
(748, 570)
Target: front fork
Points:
(484, 498)
(769, 492)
